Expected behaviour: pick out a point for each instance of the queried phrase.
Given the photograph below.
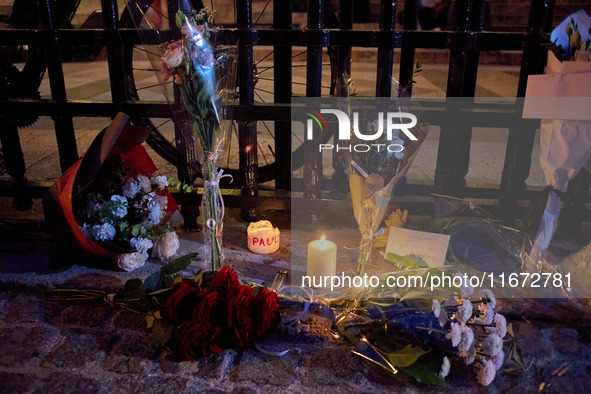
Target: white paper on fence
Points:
(581, 19)
(565, 147)
(547, 95)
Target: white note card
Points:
(427, 249)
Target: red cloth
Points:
(137, 160)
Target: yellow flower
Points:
(396, 219)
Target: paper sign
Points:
(427, 249)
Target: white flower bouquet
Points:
(114, 202)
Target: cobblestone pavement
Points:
(55, 347)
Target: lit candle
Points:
(322, 258)
(262, 237)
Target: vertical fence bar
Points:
(313, 172)
(386, 54)
(64, 128)
(12, 150)
(407, 50)
(341, 71)
(114, 50)
(247, 130)
(453, 155)
(521, 139)
(282, 90)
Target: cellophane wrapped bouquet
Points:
(204, 75)
(375, 173)
(126, 214)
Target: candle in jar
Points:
(322, 258)
(262, 237)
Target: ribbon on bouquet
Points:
(215, 182)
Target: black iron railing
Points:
(465, 43)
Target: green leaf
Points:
(423, 374)
(179, 264)
(154, 282)
(405, 262)
(406, 356)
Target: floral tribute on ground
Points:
(114, 202)
(193, 317)
(204, 74)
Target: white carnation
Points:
(455, 334)
(103, 232)
(119, 205)
(144, 183)
(488, 297)
(141, 244)
(436, 308)
(160, 181)
(165, 246)
(162, 201)
(155, 212)
(487, 372)
(498, 359)
(500, 327)
(444, 367)
(488, 313)
(464, 312)
(131, 261)
(493, 344)
(131, 188)
(466, 339)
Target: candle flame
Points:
(323, 238)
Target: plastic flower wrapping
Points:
(114, 201)
(565, 135)
(374, 174)
(189, 60)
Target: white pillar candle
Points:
(322, 258)
(262, 237)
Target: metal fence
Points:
(464, 43)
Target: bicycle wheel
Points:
(142, 84)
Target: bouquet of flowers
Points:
(416, 338)
(374, 173)
(203, 74)
(193, 317)
(565, 132)
(126, 214)
(221, 314)
(113, 201)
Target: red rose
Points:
(209, 309)
(265, 312)
(192, 341)
(239, 306)
(224, 281)
(181, 300)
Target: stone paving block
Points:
(172, 384)
(30, 308)
(129, 321)
(85, 315)
(135, 346)
(125, 365)
(78, 350)
(17, 383)
(60, 383)
(329, 366)
(27, 345)
(261, 369)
